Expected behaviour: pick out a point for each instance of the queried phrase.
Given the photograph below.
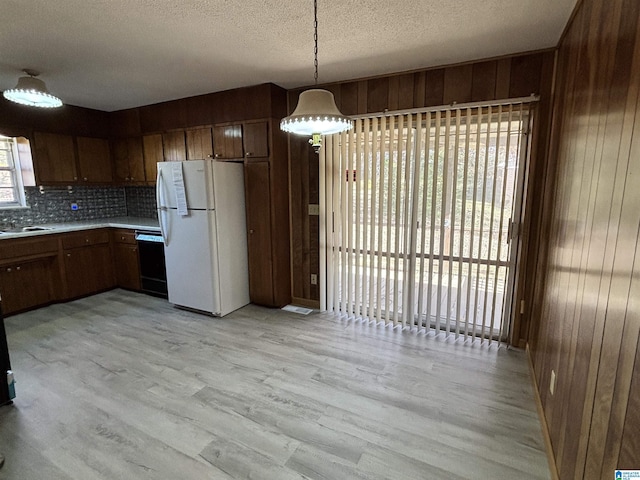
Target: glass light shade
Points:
(316, 112)
(32, 92)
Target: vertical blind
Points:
(418, 209)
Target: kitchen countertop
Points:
(132, 223)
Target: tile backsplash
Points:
(54, 205)
(141, 202)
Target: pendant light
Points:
(32, 91)
(316, 113)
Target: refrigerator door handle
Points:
(161, 208)
(158, 188)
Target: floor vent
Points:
(300, 310)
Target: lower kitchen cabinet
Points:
(125, 259)
(27, 284)
(88, 265)
(40, 270)
(126, 266)
(29, 273)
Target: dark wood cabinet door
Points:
(153, 153)
(136, 160)
(255, 138)
(94, 160)
(227, 142)
(88, 270)
(199, 143)
(258, 198)
(175, 149)
(55, 158)
(25, 285)
(127, 268)
(120, 157)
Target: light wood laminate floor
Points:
(124, 386)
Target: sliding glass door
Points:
(419, 213)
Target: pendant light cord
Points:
(315, 39)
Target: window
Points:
(11, 187)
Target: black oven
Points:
(153, 272)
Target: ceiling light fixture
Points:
(32, 91)
(316, 113)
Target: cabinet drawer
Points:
(124, 236)
(82, 239)
(15, 248)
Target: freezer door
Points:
(198, 184)
(191, 257)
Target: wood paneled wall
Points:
(19, 120)
(247, 103)
(587, 286)
(509, 77)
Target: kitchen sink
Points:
(32, 228)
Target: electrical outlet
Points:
(552, 382)
(314, 209)
(314, 279)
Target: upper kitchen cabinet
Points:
(174, 146)
(199, 143)
(55, 158)
(227, 142)
(255, 140)
(248, 140)
(128, 160)
(153, 153)
(94, 160)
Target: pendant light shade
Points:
(316, 113)
(32, 91)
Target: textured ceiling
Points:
(115, 54)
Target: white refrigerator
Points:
(201, 211)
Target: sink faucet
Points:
(8, 225)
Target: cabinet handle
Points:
(209, 155)
(248, 154)
(75, 178)
(121, 238)
(9, 269)
(68, 254)
(251, 232)
(17, 268)
(86, 240)
(217, 155)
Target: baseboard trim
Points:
(305, 302)
(551, 459)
